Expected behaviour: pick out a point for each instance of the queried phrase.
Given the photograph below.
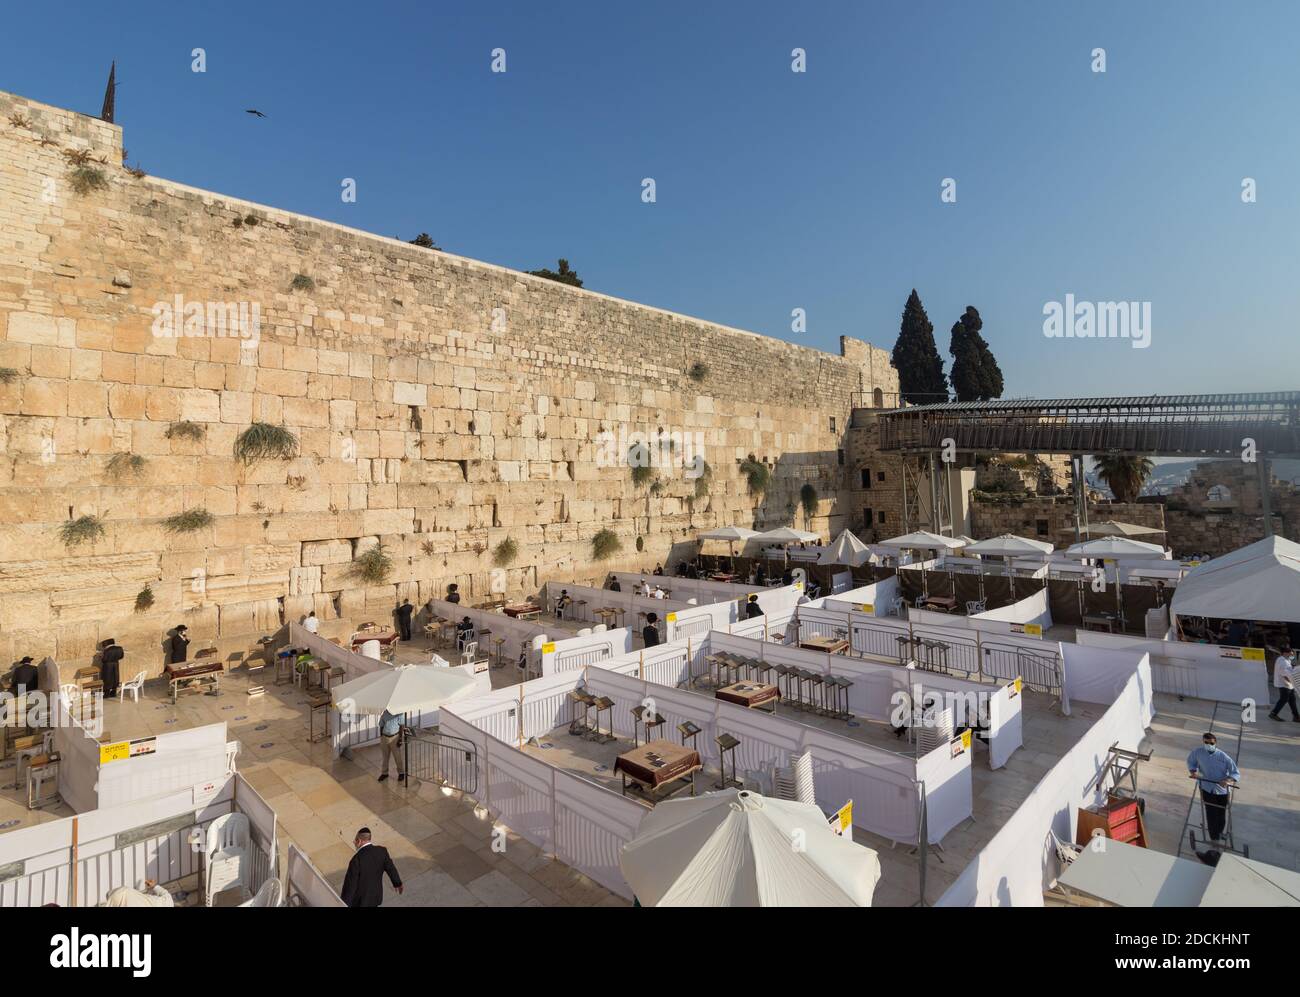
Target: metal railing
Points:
(432, 756)
(1041, 671)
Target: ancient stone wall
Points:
(441, 407)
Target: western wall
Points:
(441, 406)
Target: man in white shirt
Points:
(311, 624)
(659, 593)
(1284, 681)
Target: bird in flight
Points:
(258, 113)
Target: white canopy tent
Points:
(1260, 581)
(847, 549)
(787, 535)
(735, 849)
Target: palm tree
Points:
(1125, 476)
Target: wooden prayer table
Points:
(660, 768)
(750, 695)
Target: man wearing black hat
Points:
(403, 614)
(650, 632)
(25, 677)
(109, 661)
(363, 884)
(179, 645)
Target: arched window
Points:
(1220, 493)
(878, 398)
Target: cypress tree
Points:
(976, 376)
(920, 368)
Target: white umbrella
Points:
(1007, 546)
(922, 540)
(787, 535)
(730, 534)
(847, 549)
(1114, 548)
(737, 849)
(404, 689)
(1111, 528)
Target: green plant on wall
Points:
(605, 545)
(189, 521)
(144, 599)
(122, 464)
(83, 529)
(704, 478)
(808, 500)
(372, 565)
(505, 552)
(756, 475)
(301, 282)
(186, 430)
(263, 441)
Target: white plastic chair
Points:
(226, 859)
(133, 687)
(896, 607)
(585, 632)
(599, 628)
(470, 656)
(267, 896)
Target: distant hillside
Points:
(1172, 474)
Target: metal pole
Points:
(923, 845)
(1265, 498)
(936, 522)
(903, 468)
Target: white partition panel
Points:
(592, 824)
(576, 653)
(1006, 732)
(945, 774)
(1016, 865)
(1204, 671)
(304, 886)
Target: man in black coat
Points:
(179, 645)
(403, 613)
(109, 661)
(752, 608)
(363, 885)
(26, 677)
(650, 632)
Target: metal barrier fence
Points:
(1041, 671)
(432, 756)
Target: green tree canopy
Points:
(425, 241)
(564, 275)
(920, 368)
(976, 376)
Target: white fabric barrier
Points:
(581, 823)
(881, 783)
(1202, 671)
(1019, 861)
(1006, 728)
(626, 602)
(576, 653)
(519, 634)
(304, 886)
(703, 590)
(879, 596)
(78, 861)
(1020, 617)
(699, 620)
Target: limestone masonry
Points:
(441, 406)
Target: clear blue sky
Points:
(776, 190)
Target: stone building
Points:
(1219, 509)
(441, 406)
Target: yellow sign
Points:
(842, 820)
(671, 617)
(548, 648)
(868, 607)
(1019, 683)
(1034, 629)
(965, 739)
(1252, 653)
(114, 752)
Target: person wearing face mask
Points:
(1213, 770)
